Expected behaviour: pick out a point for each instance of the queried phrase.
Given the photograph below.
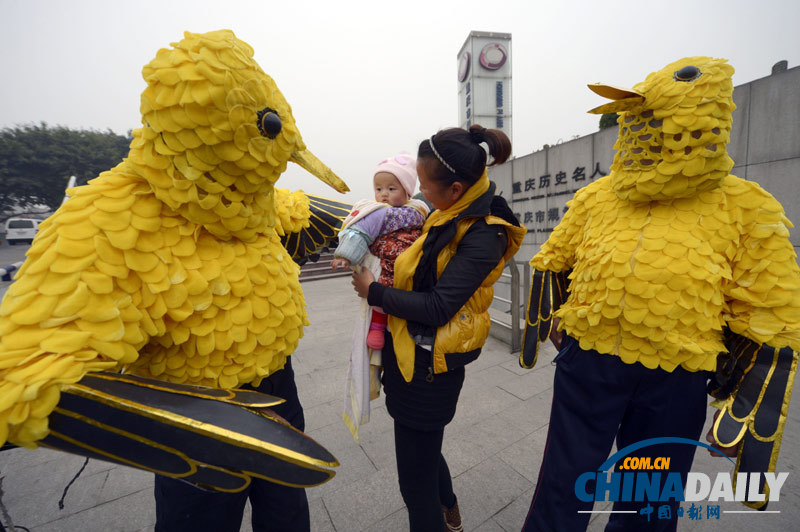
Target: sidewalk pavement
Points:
(493, 448)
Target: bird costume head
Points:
(673, 129)
(217, 133)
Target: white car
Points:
(21, 230)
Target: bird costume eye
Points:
(687, 73)
(269, 123)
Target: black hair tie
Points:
(478, 135)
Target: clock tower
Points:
(484, 81)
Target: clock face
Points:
(493, 56)
(463, 66)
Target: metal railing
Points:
(516, 302)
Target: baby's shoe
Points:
(375, 339)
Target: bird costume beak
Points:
(317, 168)
(625, 99)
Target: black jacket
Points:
(434, 301)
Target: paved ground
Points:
(11, 254)
(493, 447)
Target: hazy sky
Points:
(369, 79)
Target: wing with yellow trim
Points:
(324, 221)
(549, 290)
(217, 439)
(754, 412)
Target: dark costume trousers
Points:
(181, 506)
(596, 398)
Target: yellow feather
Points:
(124, 239)
(66, 341)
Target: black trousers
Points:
(424, 477)
(181, 506)
(597, 398)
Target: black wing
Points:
(216, 439)
(326, 219)
(549, 290)
(754, 385)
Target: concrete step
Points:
(321, 269)
(331, 275)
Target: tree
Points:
(36, 161)
(608, 120)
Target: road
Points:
(10, 255)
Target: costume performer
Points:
(653, 272)
(172, 267)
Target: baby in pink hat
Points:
(385, 226)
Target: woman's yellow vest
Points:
(469, 328)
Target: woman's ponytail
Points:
(498, 142)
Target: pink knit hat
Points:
(404, 167)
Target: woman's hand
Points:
(730, 452)
(361, 281)
(340, 263)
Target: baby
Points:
(385, 227)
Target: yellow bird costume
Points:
(670, 260)
(171, 265)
